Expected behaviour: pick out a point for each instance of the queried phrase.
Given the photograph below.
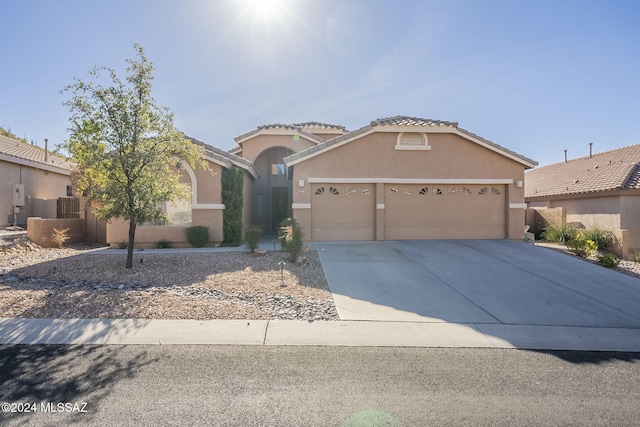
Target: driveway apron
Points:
(475, 282)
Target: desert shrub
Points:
(290, 235)
(197, 236)
(162, 244)
(252, 236)
(608, 260)
(123, 245)
(232, 189)
(636, 257)
(582, 246)
(601, 237)
(562, 233)
(58, 237)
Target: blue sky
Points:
(537, 77)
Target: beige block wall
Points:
(630, 220)
(39, 230)
(618, 213)
(148, 235)
(373, 156)
(599, 211)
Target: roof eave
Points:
(34, 164)
(278, 131)
(441, 128)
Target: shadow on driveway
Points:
(504, 289)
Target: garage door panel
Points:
(444, 212)
(342, 212)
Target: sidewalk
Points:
(320, 333)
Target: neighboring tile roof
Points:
(406, 121)
(225, 156)
(19, 152)
(609, 170)
(306, 129)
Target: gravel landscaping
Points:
(85, 282)
(93, 283)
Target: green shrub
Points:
(252, 236)
(162, 244)
(197, 235)
(232, 185)
(582, 246)
(602, 238)
(559, 233)
(636, 257)
(608, 260)
(123, 245)
(290, 235)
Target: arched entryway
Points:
(272, 198)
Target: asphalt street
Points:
(316, 386)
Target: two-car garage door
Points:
(412, 211)
(444, 212)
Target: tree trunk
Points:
(132, 236)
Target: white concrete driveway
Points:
(479, 282)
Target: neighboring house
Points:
(397, 178)
(32, 179)
(601, 189)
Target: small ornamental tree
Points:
(126, 147)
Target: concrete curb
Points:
(303, 333)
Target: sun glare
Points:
(266, 11)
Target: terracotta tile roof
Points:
(16, 151)
(306, 129)
(609, 170)
(412, 122)
(225, 156)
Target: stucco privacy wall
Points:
(39, 230)
(630, 209)
(612, 212)
(373, 158)
(42, 189)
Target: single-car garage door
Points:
(342, 212)
(444, 212)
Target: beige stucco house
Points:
(32, 181)
(396, 178)
(404, 178)
(601, 189)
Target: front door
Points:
(279, 206)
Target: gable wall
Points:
(373, 156)
(252, 148)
